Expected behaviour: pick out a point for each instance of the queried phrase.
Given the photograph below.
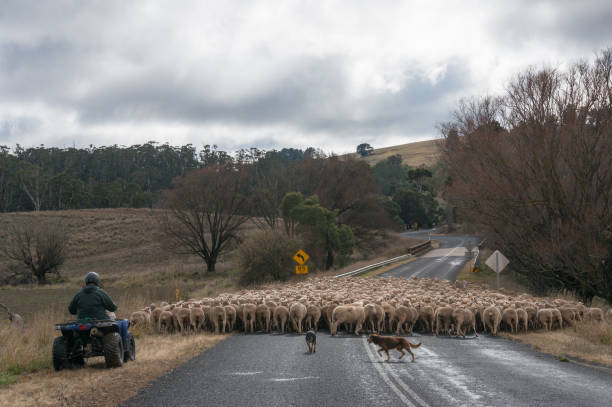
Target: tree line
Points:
(532, 169)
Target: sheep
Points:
(522, 319)
(373, 317)
(230, 317)
(249, 315)
(182, 319)
(545, 317)
(196, 318)
(262, 314)
(443, 318)
(216, 314)
(140, 319)
(281, 315)
(557, 318)
(510, 319)
(426, 317)
(491, 317)
(352, 314)
(313, 314)
(165, 322)
(297, 313)
(463, 317)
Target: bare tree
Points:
(204, 211)
(533, 170)
(40, 245)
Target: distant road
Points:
(445, 262)
(274, 370)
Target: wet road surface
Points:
(275, 370)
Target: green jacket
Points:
(91, 302)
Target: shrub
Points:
(267, 256)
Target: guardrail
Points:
(411, 252)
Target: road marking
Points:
(389, 382)
(243, 373)
(292, 379)
(405, 386)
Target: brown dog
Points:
(393, 342)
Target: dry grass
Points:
(95, 385)
(590, 342)
(413, 154)
(27, 377)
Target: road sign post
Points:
(497, 261)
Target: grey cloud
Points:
(13, 128)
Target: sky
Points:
(270, 74)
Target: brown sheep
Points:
(491, 318)
(443, 317)
(426, 317)
(410, 317)
(389, 316)
(568, 315)
(182, 319)
(510, 319)
(297, 313)
(262, 314)
(197, 318)
(230, 317)
(281, 315)
(218, 318)
(522, 318)
(166, 322)
(545, 317)
(350, 314)
(463, 317)
(373, 318)
(140, 319)
(249, 316)
(155, 315)
(313, 314)
(557, 318)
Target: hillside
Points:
(413, 154)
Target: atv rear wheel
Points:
(60, 354)
(130, 348)
(113, 350)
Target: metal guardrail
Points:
(411, 252)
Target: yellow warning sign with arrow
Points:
(301, 257)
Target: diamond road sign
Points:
(301, 257)
(497, 261)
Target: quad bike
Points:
(82, 340)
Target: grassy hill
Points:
(413, 154)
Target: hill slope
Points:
(413, 154)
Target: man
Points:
(92, 302)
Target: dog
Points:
(311, 341)
(387, 343)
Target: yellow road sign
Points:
(475, 269)
(301, 269)
(301, 257)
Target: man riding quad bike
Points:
(95, 332)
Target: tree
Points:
(205, 210)
(41, 246)
(364, 149)
(320, 224)
(532, 170)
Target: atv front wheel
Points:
(60, 354)
(113, 350)
(130, 348)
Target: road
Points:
(275, 370)
(444, 262)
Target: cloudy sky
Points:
(269, 74)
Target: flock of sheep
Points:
(383, 305)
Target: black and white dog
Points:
(311, 341)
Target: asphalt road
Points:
(275, 370)
(445, 262)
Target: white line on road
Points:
(389, 382)
(292, 379)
